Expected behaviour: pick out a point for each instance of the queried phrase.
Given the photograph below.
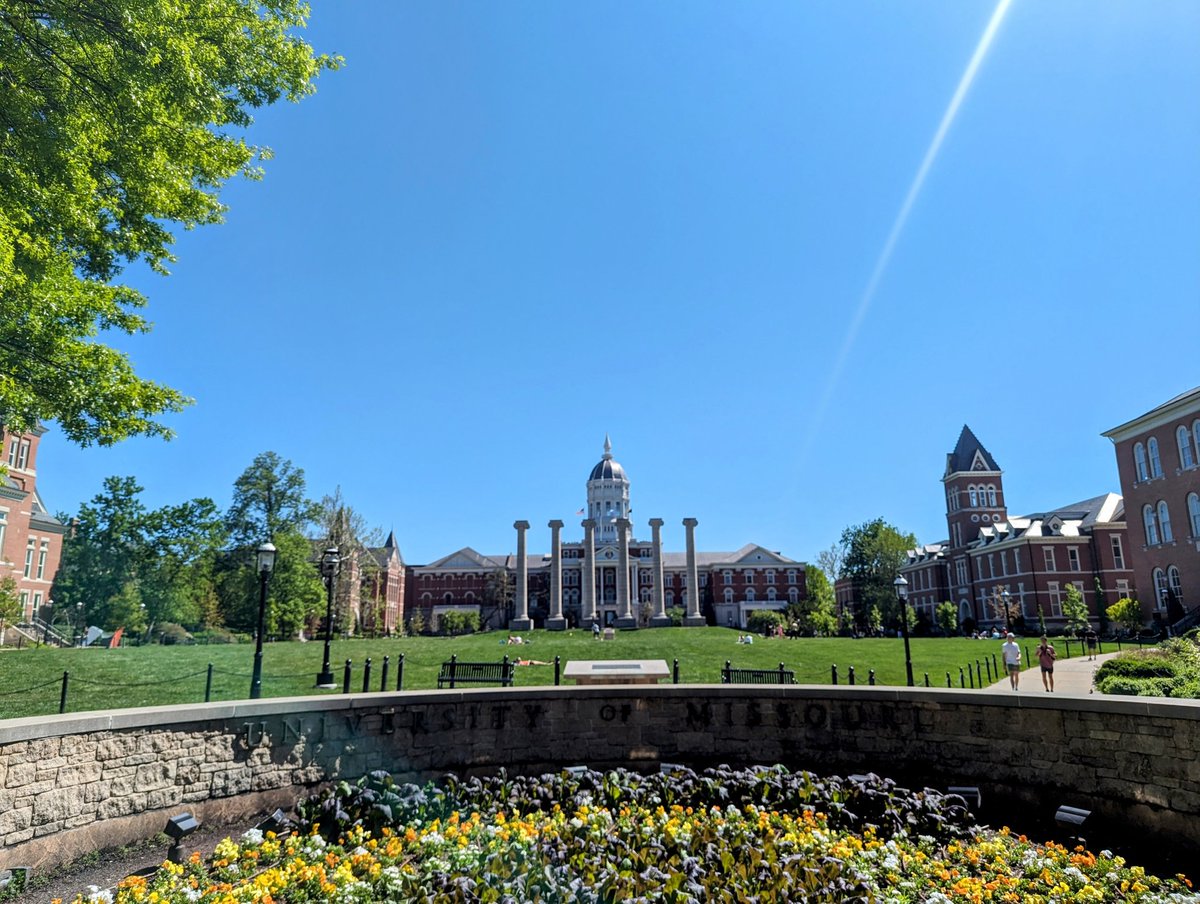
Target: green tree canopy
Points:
(119, 120)
(874, 552)
(268, 499)
(1074, 610)
(816, 613)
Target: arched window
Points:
(1164, 522)
(427, 598)
(1155, 461)
(793, 595)
(1174, 583)
(729, 594)
(749, 594)
(1160, 589)
(771, 594)
(470, 597)
(1193, 502)
(1183, 436)
(973, 496)
(448, 598)
(1196, 438)
(991, 494)
(1139, 462)
(1151, 525)
(669, 596)
(645, 594)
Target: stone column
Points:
(660, 619)
(522, 621)
(624, 595)
(556, 622)
(693, 619)
(588, 606)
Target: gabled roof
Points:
(466, 558)
(1073, 520)
(969, 455)
(1184, 404)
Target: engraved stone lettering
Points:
(533, 714)
(815, 715)
(499, 716)
(753, 716)
(783, 715)
(699, 715)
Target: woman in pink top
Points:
(1046, 657)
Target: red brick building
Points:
(1158, 460)
(30, 537)
(998, 568)
(731, 584)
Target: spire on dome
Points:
(607, 448)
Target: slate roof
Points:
(964, 453)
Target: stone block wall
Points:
(78, 782)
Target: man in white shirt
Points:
(1012, 660)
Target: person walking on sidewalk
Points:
(1091, 639)
(1012, 660)
(1046, 657)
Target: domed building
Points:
(608, 576)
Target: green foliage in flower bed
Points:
(1171, 670)
(596, 838)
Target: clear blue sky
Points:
(505, 229)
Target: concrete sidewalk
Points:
(1071, 676)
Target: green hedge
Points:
(1139, 665)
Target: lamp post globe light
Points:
(1004, 601)
(901, 586)
(266, 561)
(331, 564)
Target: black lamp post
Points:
(78, 624)
(331, 564)
(266, 561)
(901, 586)
(1004, 601)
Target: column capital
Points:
(690, 522)
(589, 523)
(657, 522)
(521, 525)
(555, 524)
(624, 523)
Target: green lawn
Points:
(30, 679)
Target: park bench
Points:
(781, 675)
(454, 673)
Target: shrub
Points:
(765, 621)
(1146, 664)
(215, 635)
(171, 633)
(677, 613)
(458, 621)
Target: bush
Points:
(1146, 664)
(677, 613)
(171, 633)
(215, 635)
(765, 621)
(458, 621)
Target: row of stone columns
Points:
(591, 612)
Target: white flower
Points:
(252, 836)
(98, 895)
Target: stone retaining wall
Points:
(73, 783)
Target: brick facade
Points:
(1158, 460)
(30, 537)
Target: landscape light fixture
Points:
(266, 562)
(970, 794)
(1004, 601)
(331, 564)
(1071, 816)
(276, 822)
(178, 828)
(901, 585)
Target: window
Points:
(24, 603)
(1151, 525)
(1122, 589)
(748, 576)
(992, 495)
(1016, 561)
(957, 534)
(1073, 557)
(960, 568)
(1118, 553)
(1174, 583)
(770, 577)
(1183, 436)
(41, 569)
(1164, 522)
(1193, 502)
(1196, 438)
(704, 579)
(729, 594)
(1048, 555)
(991, 564)
(37, 602)
(1139, 463)
(1004, 563)
(669, 597)
(727, 576)
(1160, 589)
(12, 452)
(1155, 461)
(973, 496)
(23, 454)
(1055, 599)
(29, 549)
(668, 579)
(4, 528)
(791, 575)
(749, 594)
(771, 594)
(793, 595)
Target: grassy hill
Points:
(145, 676)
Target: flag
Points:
(580, 512)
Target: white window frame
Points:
(1073, 558)
(973, 496)
(43, 551)
(793, 594)
(1164, 522)
(1174, 583)
(770, 577)
(1141, 472)
(1016, 561)
(1150, 524)
(23, 455)
(1048, 558)
(791, 576)
(1193, 504)
(30, 549)
(727, 578)
(1159, 578)
(1055, 594)
(1155, 458)
(992, 495)
(1117, 551)
(1183, 439)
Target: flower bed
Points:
(722, 835)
